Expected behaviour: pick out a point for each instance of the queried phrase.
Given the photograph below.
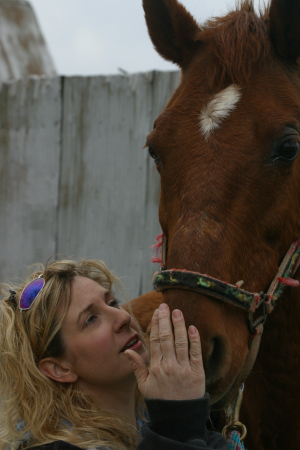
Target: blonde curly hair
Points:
(36, 410)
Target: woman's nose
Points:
(122, 320)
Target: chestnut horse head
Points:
(226, 148)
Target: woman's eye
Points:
(91, 319)
(114, 303)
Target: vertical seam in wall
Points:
(57, 231)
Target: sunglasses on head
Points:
(31, 292)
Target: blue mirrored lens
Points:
(30, 293)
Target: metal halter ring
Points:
(235, 426)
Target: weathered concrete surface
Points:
(23, 50)
(74, 178)
(30, 130)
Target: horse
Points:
(226, 148)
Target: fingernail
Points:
(156, 313)
(163, 307)
(192, 329)
(177, 314)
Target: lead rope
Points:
(234, 441)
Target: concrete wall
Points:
(74, 179)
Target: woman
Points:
(71, 359)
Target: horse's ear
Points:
(284, 27)
(172, 29)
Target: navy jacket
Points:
(173, 425)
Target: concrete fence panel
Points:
(75, 180)
(30, 128)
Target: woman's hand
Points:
(175, 372)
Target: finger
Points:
(155, 350)
(181, 339)
(166, 336)
(139, 367)
(195, 350)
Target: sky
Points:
(97, 37)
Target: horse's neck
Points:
(271, 409)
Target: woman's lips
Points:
(136, 346)
(133, 344)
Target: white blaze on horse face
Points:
(218, 108)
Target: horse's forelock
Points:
(238, 44)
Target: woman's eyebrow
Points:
(107, 294)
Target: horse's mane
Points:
(238, 44)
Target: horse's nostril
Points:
(217, 360)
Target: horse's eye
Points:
(288, 150)
(152, 153)
(154, 156)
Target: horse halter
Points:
(233, 294)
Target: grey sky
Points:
(89, 37)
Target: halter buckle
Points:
(253, 324)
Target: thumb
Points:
(139, 367)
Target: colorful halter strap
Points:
(204, 284)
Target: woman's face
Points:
(95, 332)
